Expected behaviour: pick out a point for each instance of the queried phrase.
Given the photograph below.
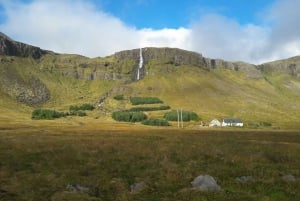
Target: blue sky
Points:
(159, 14)
(254, 31)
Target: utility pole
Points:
(181, 119)
(178, 117)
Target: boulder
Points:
(288, 178)
(245, 179)
(137, 187)
(205, 183)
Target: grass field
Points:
(41, 161)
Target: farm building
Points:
(232, 122)
(214, 122)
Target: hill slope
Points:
(213, 88)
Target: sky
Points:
(253, 31)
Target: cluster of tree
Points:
(39, 114)
(52, 114)
(137, 109)
(144, 100)
(175, 115)
(85, 106)
(156, 122)
(128, 116)
(46, 114)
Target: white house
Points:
(232, 122)
(214, 122)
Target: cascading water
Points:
(140, 64)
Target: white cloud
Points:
(68, 26)
(284, 40)
(222, 37)
(277, 37)
(165, 38)
(77, 26)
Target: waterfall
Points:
(140, 64)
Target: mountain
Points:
(10, 47)
(31, 77)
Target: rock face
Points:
(289, 66)
(167, 55)
(180, 57)
(10, 47)
(31, 91)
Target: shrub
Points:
(46, 114)
(266, 124)
(119, 97)
(144, 100)
(186, 116)
(84, 106)
(128, 116)
(73, 108)
(77, 113)
(156, 122)
(136, 109)
(259, 124)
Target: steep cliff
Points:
(178, 57)
(289, 66)
(10, 47)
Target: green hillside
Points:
(211, 88)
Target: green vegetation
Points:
(128, 116)
(163, 107)
(85, 106)
(38, 114)
(186, 116)
(107, 159)
(144, 100)
(46, 114)
(259, 124)
(119, 97)
(156, 122)
(266, 124)
(77, 113)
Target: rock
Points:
(77, 188)
(245, 179)
(205, 183)
(137, 187)
(288, 178)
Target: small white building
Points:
(232, 122)
(214, 123)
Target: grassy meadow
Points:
(41, 161)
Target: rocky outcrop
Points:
(289, 66)
(31, 91)
(10, 47)
(168, 55)
(180, 57)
